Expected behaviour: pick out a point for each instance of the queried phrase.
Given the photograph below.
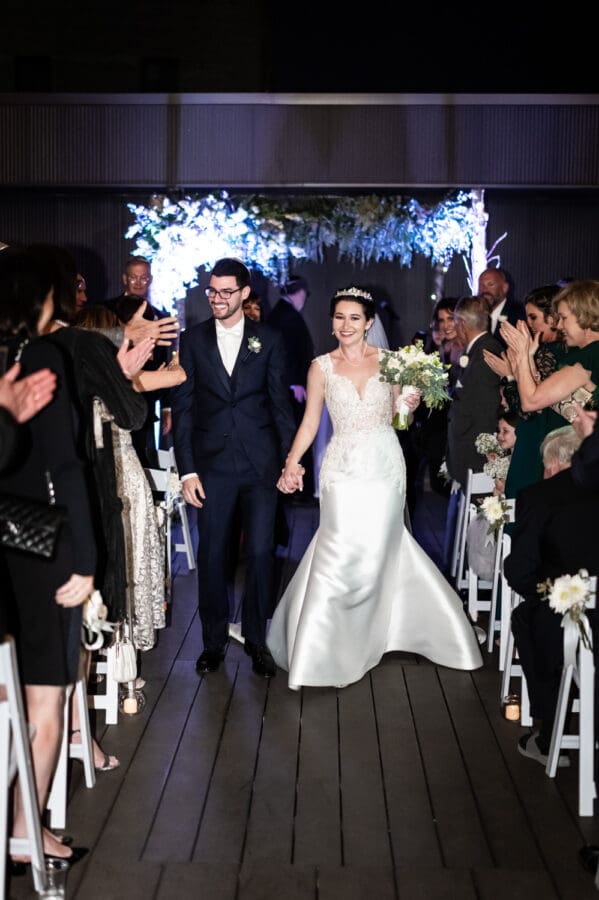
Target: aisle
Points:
(405, 785)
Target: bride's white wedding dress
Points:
(364, 586)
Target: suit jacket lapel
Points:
(244, 353)
(216, 359)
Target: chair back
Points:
(476, 483)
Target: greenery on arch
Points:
(270, 233)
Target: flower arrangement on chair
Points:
(496, 510)
(568, 595)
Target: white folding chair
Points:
(15, 756)
(503, 623)
(57, 798)
(477, 483)
(161, 481)
(106, 699)
(512, 668)
(578, 670)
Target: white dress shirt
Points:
(229, 342)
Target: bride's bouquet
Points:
(411, 368)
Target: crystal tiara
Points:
(353, 292)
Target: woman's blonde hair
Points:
(582, 298)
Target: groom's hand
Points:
(193, 491)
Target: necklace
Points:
(348, 361)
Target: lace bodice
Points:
(364, 443)
(349, 412)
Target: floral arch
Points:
(184, 235)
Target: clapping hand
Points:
(26, 397)
(163, 331)
(132, 359)
(583, 422)
(518, 337)
(499, 364)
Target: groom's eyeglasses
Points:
(225, 294)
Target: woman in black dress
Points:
(44, 596)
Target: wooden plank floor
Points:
(406, 785)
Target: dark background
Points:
(225, 46)
(262, 45)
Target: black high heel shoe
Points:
(18, 868)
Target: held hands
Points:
(193, 491)
(162, 331)
(292, 478)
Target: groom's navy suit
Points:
(234, 432)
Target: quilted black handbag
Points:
(29, 525)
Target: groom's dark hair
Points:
(228, 265)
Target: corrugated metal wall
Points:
(280, 141)
(68, 166)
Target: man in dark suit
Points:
(233, 426)
(286, 316)
(494, 286)
(554, 535)
(475, 402)
(473, 407)
(137, 278)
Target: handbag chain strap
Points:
(20, 349)
(51, 492)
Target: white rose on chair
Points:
(496, 511)
(568, 596)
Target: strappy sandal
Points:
(107, 764)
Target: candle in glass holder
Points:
(130, 705)
(511, 708)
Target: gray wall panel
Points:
(158, 141)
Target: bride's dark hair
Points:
(358, 295)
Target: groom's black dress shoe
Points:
(262, 662)
(589, 857)
(210, 660)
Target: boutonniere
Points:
(503, 318)
(254, 344)
(464, 361)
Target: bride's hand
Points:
(291, 479)
(411, 399)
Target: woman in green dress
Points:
(546, 351)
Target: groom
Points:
(232, 428)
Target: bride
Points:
(364, 586)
